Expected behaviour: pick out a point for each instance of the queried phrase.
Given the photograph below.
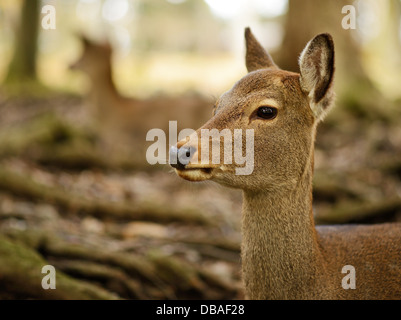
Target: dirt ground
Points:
(120, 230)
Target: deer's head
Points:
(95, 58)
(281, 107)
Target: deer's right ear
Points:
(256, 56)
(316, 64)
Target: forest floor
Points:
(117, 231)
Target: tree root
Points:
(21, 277)
(24, 186)
(129, 275)
(349, 212)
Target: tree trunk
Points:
(23, 63)
(305, 19)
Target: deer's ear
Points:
(84, 39)
(316, 64)
(256, 56)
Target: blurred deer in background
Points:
(124, 121)
(284, 255)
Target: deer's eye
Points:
(266, 112)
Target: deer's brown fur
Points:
(284, 256)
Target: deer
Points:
(124, 121)
(284, 255)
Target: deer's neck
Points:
(280, 252)
(103, 93)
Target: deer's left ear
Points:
(316, 64)
(84, 39)
(256, 56)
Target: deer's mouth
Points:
(195, 173)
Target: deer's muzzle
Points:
(180, 157)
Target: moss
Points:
(21, 277)
(172, 270)
(363, 101)
(32, 88)
(45, 130)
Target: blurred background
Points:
(83, 81)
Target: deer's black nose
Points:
(180, 157)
